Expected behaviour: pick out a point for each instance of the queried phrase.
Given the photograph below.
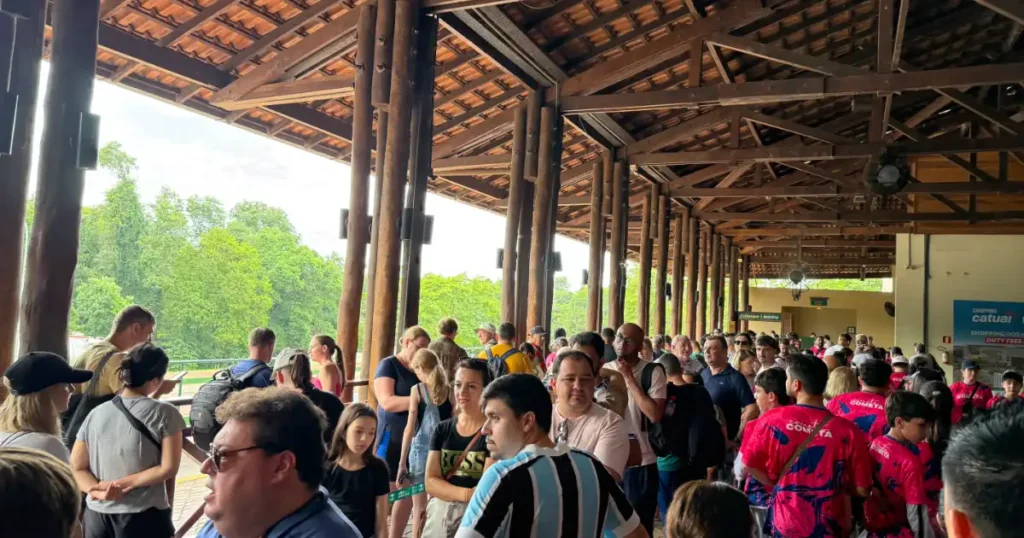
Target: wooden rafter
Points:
(1012, 9)
(267, 41)
(824, 260)
(866, 216)
(187, 27)
(296, 91)
(831, 191)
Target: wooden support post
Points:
(556, 178)
(523, 260)
(678, 263)
(594, 278)
(643, 302)
(396, 165)
(22, 81)
(715, 296)
(662, 271)
(541, 220)
(608, 168)
(702, 282)
(419, 170)
(371, 273)
(690, 298)
(358, 223)
(515, 206)
(615, 306)
(745, 293)
(382, 55)
(533, 102)
(734, 285)
(53, 249)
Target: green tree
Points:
(471, 301)
(204, 214)
(96, 302)
(117, 161)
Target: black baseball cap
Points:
(40, 370)
(970, 364)
(538, 330)
(1012, 375)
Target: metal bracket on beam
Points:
(88, 141)
(8, 115)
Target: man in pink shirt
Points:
(897, 506)
(866, 407)
(969, 394)
(808, 458)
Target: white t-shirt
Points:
(633, 413)
(39, 441)
(599, 432)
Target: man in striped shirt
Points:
(537, 489)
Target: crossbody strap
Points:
(136, 423)
(462, 457)
(803, 446)
(14, 437)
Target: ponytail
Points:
(333, 351)
(143, 364)
(437, 377)
(941, 399)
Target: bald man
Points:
(646, 384)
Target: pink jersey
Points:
(962, 392)
(899, 482)
(810, 500)
(1000, 400)
(932, 478)
(865, 409)
(896, 380)
(756, 494)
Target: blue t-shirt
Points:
(731, 392)
(391, 426)
(317, 518)
(261, 379)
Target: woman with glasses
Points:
(127, 454)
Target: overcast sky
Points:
(196, 155)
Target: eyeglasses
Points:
(216, 454)
(742, 342)
(624, 339)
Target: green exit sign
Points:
(760, 316)
(819, 301)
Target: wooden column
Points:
(662, 274)
(523, 261)
(19, 78)
(723, 254)
(382, 55)
(690, 296)
(615, 306)
(419, 170)
(703, 259)
(745, 293)
(608, 168)
(541, 221)
(678, 263)
(734, 285)
(359, 188)
(556, 186)
(515, 207)
(68, 150)
(715, 295)
(643, 302)
(533, 104)
(597, 228)
(396, 165)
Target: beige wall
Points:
(865, 308)
(967, 267)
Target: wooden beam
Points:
(799, 89)
(996, 116)
(846, 190)
(700, 176)
(478, 186)
(839, 231)
(341, 28)
(187, 27)
(459, 93)
(597, 231)
(476, 111)
(868, 216)
(703, 249)
(679, 132)
(1011, 9)
(963, 164)
(692, 255)
(296, 91)
(445, 6)
(791, 244)
(617, 244)
(474, 134)
(542, 234)
(679, 246)
(497, 163)
(821, 260)
(661, 275)
(648, 213)
(823, 66)
(849, 151)
(109, 6)
(813, 133)
(734, 176)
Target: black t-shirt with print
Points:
(356, 492)
(446, 439)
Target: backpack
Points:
(497, 365)
(688, 429)
(202, 415)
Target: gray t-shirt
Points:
(39, 441)
(117, 450)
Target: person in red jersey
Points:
(769, 393)
(1012, 382)
(808, 458)
(933, 449)
(897, 505)
(969, 394)
(866, 407)
(900, 369)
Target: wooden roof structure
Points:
(762, 116)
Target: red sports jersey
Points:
(962, 391)
(1000, 400)
(756, 494)
(810, 499)
(932, 479)
(899, 481)
(865, 409)
(896, 380)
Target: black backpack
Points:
(497, 365)
(688, 429)
(210, 396)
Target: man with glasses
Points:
(578, 421)
(646, 383)
(265, 468)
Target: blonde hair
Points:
(739, 355)
(841, 381)
(437, 378)
(414, 333)
(34, 482)
(31, 413)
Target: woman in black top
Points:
(356, 480)
(449, 481)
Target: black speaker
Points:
(586, 277)
(556, 262)
(500, 261)
(88, 141)
(668, 289)
(343, 231)
(428, 229)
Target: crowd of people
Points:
(598, 434)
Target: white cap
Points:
(832, 350)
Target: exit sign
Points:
(819, 301)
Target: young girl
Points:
(933, 448)
(325, 352)
(356, 480)
(428, 405)
(458, 453)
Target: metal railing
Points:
(199, 455)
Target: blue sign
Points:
(988, 323)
